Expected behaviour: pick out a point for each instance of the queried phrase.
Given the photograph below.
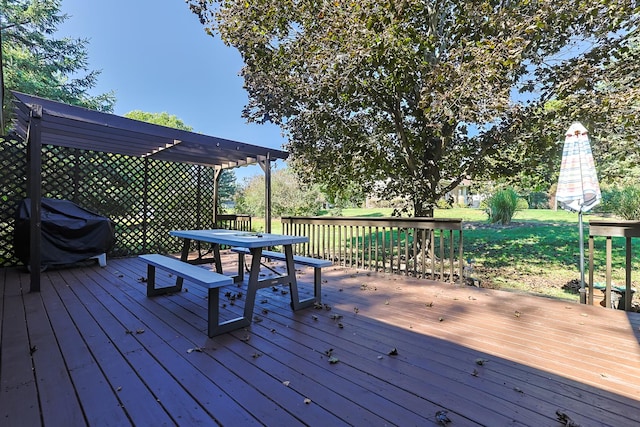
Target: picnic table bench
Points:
(316, 263)
(209, 280)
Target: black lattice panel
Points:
(144, 198)
(13, 183)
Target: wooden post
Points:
(265, 164)
(217, 173)
(34, 151)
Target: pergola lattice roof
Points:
(76, 127)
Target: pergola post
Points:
(265, 164)
(217, 173)
(34, 150)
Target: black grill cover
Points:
(69, 233)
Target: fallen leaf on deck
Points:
(440, 319)
(475, 373)
(328, 352)
(142, 279)
(429, 304)
(257, 319)
(442, 418)
(191, 350)
(566, 419)
(356, 310)
(380, 357)
(264, 301)
(314, 317)
(119, 388)
(286, 383)
(246, 338)
(336, 316)
(256, 355)
(481, 361)
(139, 331)
(386, 302)
(340, 325)
(518, 389)
(307, 401)
(517, 313)
(393, 352)
(333, 360)
(33, 349)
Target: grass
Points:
(538, 252)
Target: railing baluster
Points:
(395, 245)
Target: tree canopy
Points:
(162, 119)
(288, 196)
(422, 94)
(37, 63)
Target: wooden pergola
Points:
(45, 122)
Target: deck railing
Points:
(420, 247)
(234, 222)
(610, 229)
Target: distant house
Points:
(459, 196)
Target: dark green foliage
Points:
(624, 203)
(538, 200)
(37, 63)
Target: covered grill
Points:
(70, 233)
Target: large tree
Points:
(421, 94)
(35, 62)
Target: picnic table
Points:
(255, 243)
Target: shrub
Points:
(502, 205)
(627, 205)
(538, 200)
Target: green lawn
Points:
(538, 253)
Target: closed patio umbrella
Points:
(578, 187)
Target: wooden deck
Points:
(92, 349)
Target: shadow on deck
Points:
(92, 349)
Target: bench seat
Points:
(207, 279)
(316, 263)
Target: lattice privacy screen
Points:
(145, 198)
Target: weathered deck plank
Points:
(108, 355)
(19, 394)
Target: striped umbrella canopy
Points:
(578, 187)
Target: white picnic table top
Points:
(239, 238)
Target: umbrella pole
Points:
(583, 294)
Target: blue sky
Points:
(156, 57)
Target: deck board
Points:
(19, 394)
(108, 355)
